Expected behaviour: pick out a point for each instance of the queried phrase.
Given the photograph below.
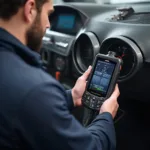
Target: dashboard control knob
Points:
(60, 63)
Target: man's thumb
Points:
(116, 92)
(87, 73)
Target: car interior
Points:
(82, 29)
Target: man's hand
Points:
(111, 104)
(79, 88)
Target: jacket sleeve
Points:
(44, 122)
(69, 100)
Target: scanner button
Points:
(99, 102)
(92, 105)
(98, 106)
(87, 102)
(88, 97)
(94, 99)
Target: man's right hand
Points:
(111, 104)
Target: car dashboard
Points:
(79, 31)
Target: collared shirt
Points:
(35, 108)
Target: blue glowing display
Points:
(66, 21)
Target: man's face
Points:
(38, 28)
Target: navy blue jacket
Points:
(35, 108)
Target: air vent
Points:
(126, 50)
(85, 48)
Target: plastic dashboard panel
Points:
(96, 19)
(138, 32)
(103, 28)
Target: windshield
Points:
(120, 1)
(103, 1)
(128, 1)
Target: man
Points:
(34, 107)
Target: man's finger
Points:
(116, 92)
(87, 72)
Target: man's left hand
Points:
(79, 88)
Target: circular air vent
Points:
(126, 50)
(85, 48)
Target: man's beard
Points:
(35, 34)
